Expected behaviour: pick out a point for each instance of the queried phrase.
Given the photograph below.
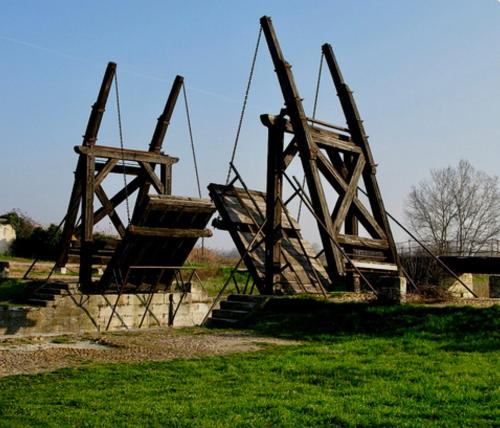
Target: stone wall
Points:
(78, 313)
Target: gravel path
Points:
(28, 355)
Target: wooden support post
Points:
(273, 233)
(87, 223)
(89, 139)
(166, 178)
(307, 149)
(156, 144)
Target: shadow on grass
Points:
(466, 328)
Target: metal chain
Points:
(188, 116)
(315, 106)
(118, 110)
(245, 99)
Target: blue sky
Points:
(426, 77)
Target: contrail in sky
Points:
(124, 69)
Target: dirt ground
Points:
(34, 354)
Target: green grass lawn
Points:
(358, 365)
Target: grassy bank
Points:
(357, 365)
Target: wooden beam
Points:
(289, 153)
(117, 199)
(322, 137)
(362, 242)
(162, 232)
(363, 215)
(359, 137)
(274, 187)
(125, 154)
(89, 139)
(113, 215)
(307, 148)
(344, 202)
(118, 168)
(104, 170)
(153, 179)
(85, 274)
(155, 147)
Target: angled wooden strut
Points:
(339, 156)
(96, 162)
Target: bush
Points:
(32, 240)
(41, 244)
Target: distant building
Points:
(7, 236)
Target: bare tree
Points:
(456, 210)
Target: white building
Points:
(7, 236)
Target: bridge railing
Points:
(490, 248)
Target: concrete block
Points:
(494, 284)
(457, 289)
(4, 269)
(390, 289)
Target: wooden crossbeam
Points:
(322, 137)
(362, 242)
(344, 201)
(113, 215)
(338, 183)
(127, 169)
(104, 170)
(125, 154)
(153, 179)
(163, 232)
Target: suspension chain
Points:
(188, 117)
(245, 99)
(315, 106)
(118, 110)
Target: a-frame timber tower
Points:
(162, 230)
(354, 230)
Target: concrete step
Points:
(54, 291)
(234, 305)
(222, 322)
(245, 298)
(237, 315)
(38, 302)
(42, 295)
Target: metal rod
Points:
(219, 295)
(427, 250)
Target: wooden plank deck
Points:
(243, 214)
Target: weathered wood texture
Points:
(340, 158)
(243, 213)
(163, 228)
(165, 234)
